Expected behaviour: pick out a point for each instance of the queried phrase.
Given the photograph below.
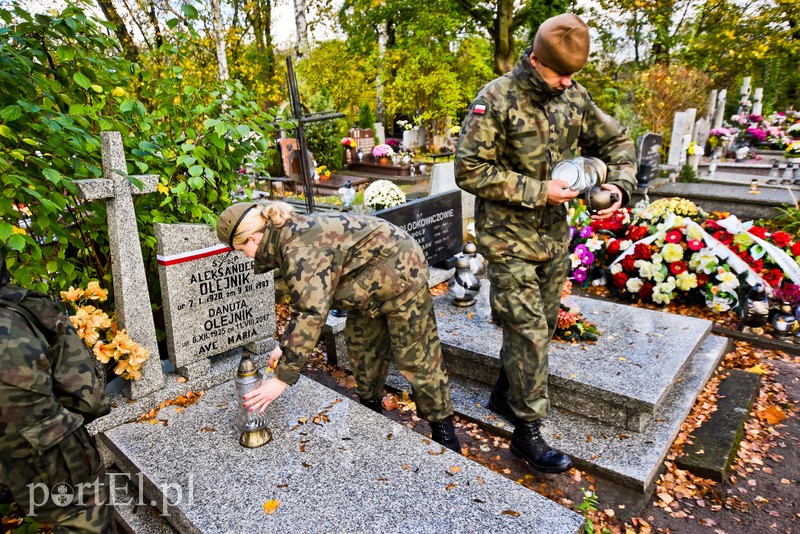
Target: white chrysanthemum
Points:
(686, 281)
(634, 285)
(668, 285)
(661, 298)
(594, 244)
(656, 258)
(615, 268)
(645, 269)
(625, 245)
(694, 232)
(672, 252)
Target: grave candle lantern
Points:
(475, 260)
(756, 310)
(252, 425)
(785, 323)
(463, 286)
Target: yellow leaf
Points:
(163, 189)
(451, 486)
(772, 415)
(757, 369)
(271, 505)
(455, 469)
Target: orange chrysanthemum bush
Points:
(100, 332)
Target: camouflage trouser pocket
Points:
(503, 295)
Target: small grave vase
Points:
(406, 159)
(348, 156)
(463, 286)
(252, 425)
(422, 168)
(784, 324)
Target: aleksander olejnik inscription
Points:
(213, 302)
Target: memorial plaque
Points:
(434, 221)
(365, 139)
(649, 157)
(213, 301)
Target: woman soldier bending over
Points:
(358, 263)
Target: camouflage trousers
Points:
(63, 486)
(525, 298)
(408, 336)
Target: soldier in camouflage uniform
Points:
(358, 263)
(48, 390)
(517, 128)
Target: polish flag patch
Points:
(479, 109)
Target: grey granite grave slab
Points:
(620, 379)
(213, 302)
(631, 459)
(728, 198)
(333, 466)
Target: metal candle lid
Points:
(580, 174)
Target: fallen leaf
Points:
(389, 403)
(180, 379)
(772, 415)
(389, 437)
(271, 505)
(455, 469)
(512, 513)
(208, 429)
(479, 479)
(451, 486)
(757, 369)
(305, 464)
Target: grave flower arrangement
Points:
(405, 125)
(348, 142)
(394, 143)
(382, 151)
(323, 172)
(719, 136)
(793, 150)
(589, 248)
(694, 149)
(383, 194)
(100, 333)
(571, 324)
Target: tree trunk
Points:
(128, 48)
(301, 26)
(219, 36)
(503, 35)
(380, 106)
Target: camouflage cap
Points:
(229, 221)
(562, 43)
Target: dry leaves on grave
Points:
(182, 401)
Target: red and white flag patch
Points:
(479, 109)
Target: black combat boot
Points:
(527, 443)
(444, 433)
(376, 405)
(498, 400)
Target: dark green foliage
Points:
(366, 119)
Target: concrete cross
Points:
(127, 264)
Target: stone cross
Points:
(130, 285)
(757, 97)
(719, 112)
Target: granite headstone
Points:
(365, 139)
(649, 157)
(434, 221)
(213, 301)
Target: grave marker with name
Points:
(649, 157)
(434, 221)
(682, 129)
(365, 139)
(213, 301)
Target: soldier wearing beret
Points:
(517, 128)
(48, 390)
(358, 263)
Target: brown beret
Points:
(562, 43)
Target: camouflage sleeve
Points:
(74, 378)
(480, 146)
(27, 402)
(602, 137)
(311, 279)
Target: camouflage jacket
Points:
(48, 387)
(339, 261)
(515, 131)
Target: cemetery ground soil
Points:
(760, 494)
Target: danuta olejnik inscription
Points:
(213, 301)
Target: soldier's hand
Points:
(608, 212)
(259, 398)
(558, 192)
(274, 356)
